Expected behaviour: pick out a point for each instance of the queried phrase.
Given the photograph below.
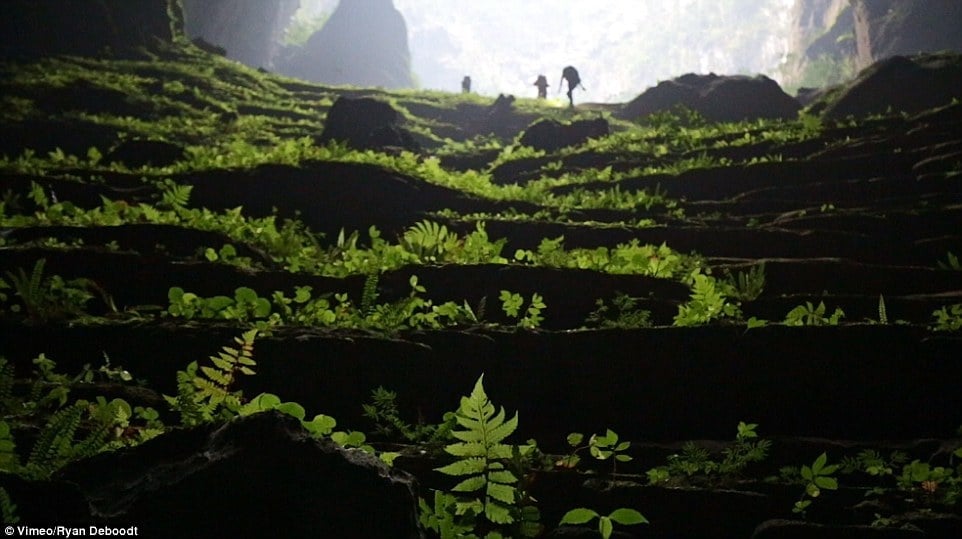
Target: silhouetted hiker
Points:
(570, 74)
(466, 84)
(542, 84)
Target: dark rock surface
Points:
(909, 84)
(138, 153)
(793, 529)
(259, 476)
(364, 43)
(249, 31)
(550, 135)
(366, 123)
(717, 98)
(32, 28)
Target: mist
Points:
(620, 47)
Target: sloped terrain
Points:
(795, 282)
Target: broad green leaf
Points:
(605, 527)
(575, 439)
(292, 409)
(827, 483)
(819, 464)
(580, 515)
(627, 517)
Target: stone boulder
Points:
(717, 98)
(138, 153)
(258, 476)
(909, 84)
(365, 123)
(35, 28)
(249, 31)
(550, 135)
(363, 43)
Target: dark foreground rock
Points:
(549, 135)
(259, 476)
(366, 124)
(717, 98)
(35, 28)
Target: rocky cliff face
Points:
(249, 30)
(365, 43)
(834, 39)
(885, 28)
(31, 28)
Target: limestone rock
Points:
(549, 135)
(365, 123)
(249, 31)
(717, 98)
(258, 476)
(363, 43)
(909, 84)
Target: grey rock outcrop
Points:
(717, 98)
(363, 43)
(258, 476)
(901, 84)
(366, 124)
(249, 31)
(549, 135)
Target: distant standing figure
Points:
(542, 84)
(570, 74)
(466, 84)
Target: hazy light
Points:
(620, 47)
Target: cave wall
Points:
(364, 43)
(885, 28)
(249, 30)
(821, 32)
(33, 28)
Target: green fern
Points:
(53, 447)
(201, 396)
(8, 510)
(9, 460)
(488, 489)
(369, 294)
(174, 196)
(29, 287)
(6, 385)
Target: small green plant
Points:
(600, 446)
(810, 315)
(695, 464)
(51, 298)
(209, 394)
(746, 285)
(512, 302)
(490, 499)
(708, 302)
(951, 262)
(383, 411)
(948, 318)
(817, 477)
(626, 313)
(606, 523)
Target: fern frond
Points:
(481, 451)
(369, 294)
(8, 510)
(52, 448)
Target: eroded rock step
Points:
(851, 382)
